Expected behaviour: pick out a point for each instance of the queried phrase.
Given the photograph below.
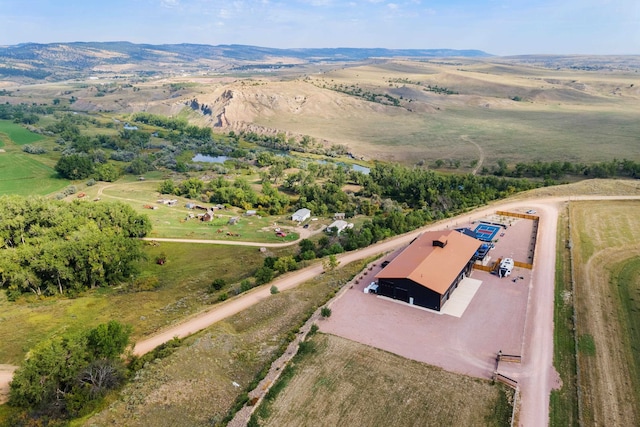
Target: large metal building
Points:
(428, 271)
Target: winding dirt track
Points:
(480, 151)
(537, 377)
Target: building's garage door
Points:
(402, 294)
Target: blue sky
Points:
(495, 26)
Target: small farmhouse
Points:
(301, 215)
(428, 271)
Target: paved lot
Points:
(493, 320)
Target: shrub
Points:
(245, 285)
(70, 190)
(217, 284)
(274, 290)
(325, 312)
(33, 149)
(161, 259)
(223, 296)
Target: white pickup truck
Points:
(371, 288)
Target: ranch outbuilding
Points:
(301, 215)
(428, 271)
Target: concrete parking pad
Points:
(462, 297)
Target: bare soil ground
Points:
(6, 373)
(494, 320)
(604, 235)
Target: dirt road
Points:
(537, 376)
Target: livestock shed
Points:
(301, 215)
(428, 271)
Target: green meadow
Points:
(22, 174)
(17, 133)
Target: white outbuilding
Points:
(337, 226)
(301, 215)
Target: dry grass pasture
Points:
(606, 239)
(344, 383)
(562, 114)
(516, 109)
(194, 386)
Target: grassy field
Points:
(194, 386)
(182, 290)
(564, 402)
(17, 133)
(173, 222)
(342, 383)
(24, 175)
(625, 277)
(606, 240)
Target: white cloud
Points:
(170, 3)
(392, 6)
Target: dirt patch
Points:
(494, 320)
(6, 374)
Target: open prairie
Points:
(605, 240)
(466, 112)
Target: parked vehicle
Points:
(371, 288)
(505, 267)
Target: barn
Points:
(428, 271)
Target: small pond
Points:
(209, 159)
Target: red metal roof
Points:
(432, 266)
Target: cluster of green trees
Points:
(304, 144)
(355, 90)
(63, 374)
(181, 126)
(24, 113)
(51, 247)
(237, 193)
(558, 170)
(440, 90)
(440, 194)
(308, 250)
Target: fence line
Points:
(505, 380)
(518, 215)
(569, 246)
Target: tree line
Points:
(50, 247)
(557, 170)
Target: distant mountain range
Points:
(64, 60)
